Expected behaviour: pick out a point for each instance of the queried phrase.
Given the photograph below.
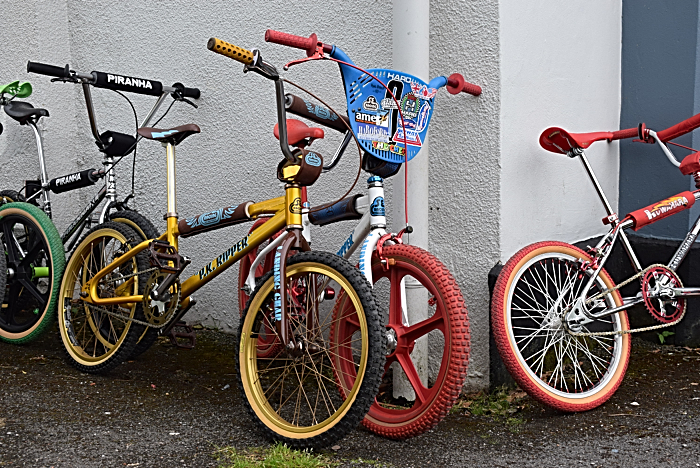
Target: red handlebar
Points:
(307, 44)
(622, 134)
(456, 84)
(679, 129)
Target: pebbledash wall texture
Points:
(492, 190)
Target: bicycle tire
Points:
(10, 196)
(146, 230)
(344, 410)
(35, 254)
(447, 314)
(528, 289)
(96, 342)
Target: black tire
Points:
(35, 254)
(146, 230)
(95, 341)
(340, 410)
(10, 196)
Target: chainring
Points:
(655, 282)
(158, 313)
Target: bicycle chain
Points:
(131, 274)
(636, 330)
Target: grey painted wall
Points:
(659, 87)
(235, 156)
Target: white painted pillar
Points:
(411, 47)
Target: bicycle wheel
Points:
(9, 196)
(146, 230)
(35, 262)
(292, 396)
(566, 372)
(98, 338)
(446, 322)
(268, 344)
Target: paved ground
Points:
(173, 408)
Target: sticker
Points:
(346, 246)
(423, 92)
(313, 159)
(412, 137)
(423, 116)
(320, 111)
(666, 205)
(410, 106)
(372, 132)
(223, 258)
(278, 281)
(382, 146)
(370, 104)
(211, 218)
(389, 104)
(377, 207)
(380, 119)
(295, 206)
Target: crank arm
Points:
(685, 292)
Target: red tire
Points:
(567, 372)
(447, 314)
(268, 344)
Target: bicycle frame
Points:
(108, 190)
(579, 314)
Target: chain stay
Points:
(636, 330)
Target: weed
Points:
(501, 404)
(663, 335)
(277, 456)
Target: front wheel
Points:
(98, 338)
(35, 262)
(293, 395)
(530, 300)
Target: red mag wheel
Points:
(654, 283)
(447, 322)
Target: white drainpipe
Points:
(411, 47)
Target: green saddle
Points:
(17, 89)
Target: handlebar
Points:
(112, 81)
(229, 50)
(456, 84)
(307, 44)
(622, 134)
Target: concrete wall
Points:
(660, 83)
(560, 66)
(234, 158)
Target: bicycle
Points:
(26, 317)
(558, 319)
(107, 300)
(384, 257)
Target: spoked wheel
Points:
(393, 415)
(531, 298)
(98, 338)
(293, 396)
(145, 230)
(268, 344)
(34, 265)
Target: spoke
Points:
(410, 371)
(436, 322)
(28, 286)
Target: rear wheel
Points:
(293, 395)
(34, 265)
(428, 282)
(146, 230)
(98, 338)
(530, 300)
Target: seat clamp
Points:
(169, 215)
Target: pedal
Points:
(162, 259)
(183, 339)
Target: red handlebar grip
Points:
(622, 134)
(307, 44)
(456, 84)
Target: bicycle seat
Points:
(23, 112)
(298, 131)
(558, 140)
(174, 135)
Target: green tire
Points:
(31, 244)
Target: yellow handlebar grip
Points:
(229, 50)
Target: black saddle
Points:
(174, 135)
(23, 112)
